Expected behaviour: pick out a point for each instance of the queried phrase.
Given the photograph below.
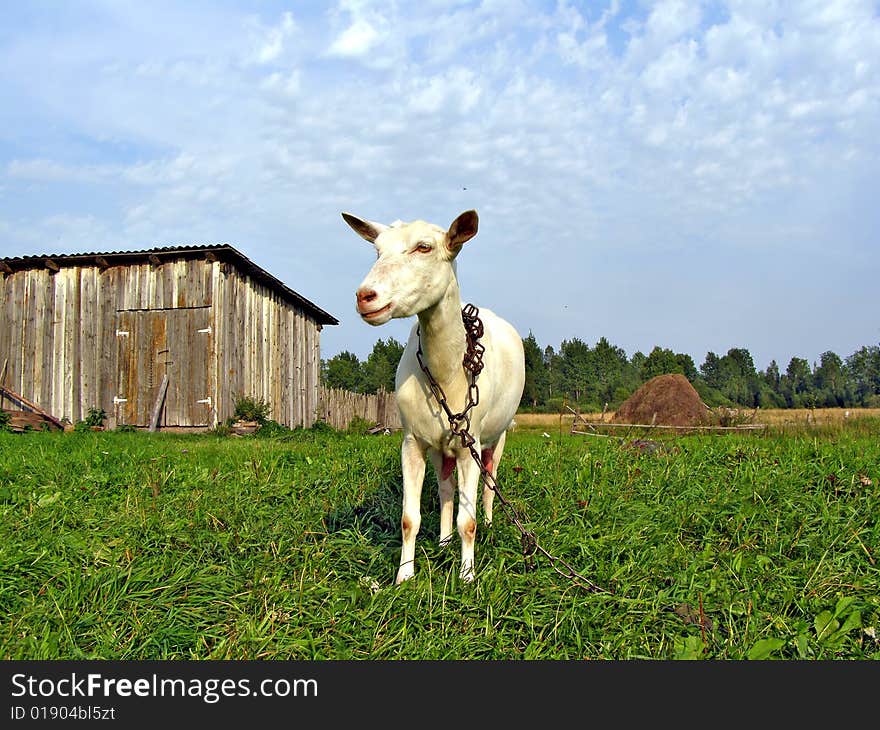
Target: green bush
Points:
(94, 418)
(360, 426)
(248, 408)
(270, 429)
(4, 420)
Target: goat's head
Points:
(415, 265)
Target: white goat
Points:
(415, 275)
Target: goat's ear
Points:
(462, 230)
(368, 230)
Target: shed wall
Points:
(59, 341)
(266, 349)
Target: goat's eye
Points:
(423, 248)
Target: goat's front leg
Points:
(412, 458)
(468, 484)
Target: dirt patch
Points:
(666, 400)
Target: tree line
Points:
(589, 377)
(347, 372)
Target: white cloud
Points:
(670, 19)
(590, 53)
(673, 69)
(593, 51)
(160, 172)
(456, 92)
(725, 84)
(270, 41)
(287, 84)
(356, 40)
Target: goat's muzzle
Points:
(366, 304)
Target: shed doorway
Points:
(154, 343)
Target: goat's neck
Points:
(443, 337)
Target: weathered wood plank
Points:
(89, 398)
(75, 407)
(28, 336)
(158, 351)
(147, 275)
(178, 344)
(197, 392)
(235, 330)
(157, 406)
(43, 326)
(126, 364)
(251, 378)
(216, 341)
(108, 364)
(222, 328)
(316, 371)
(5, 320)
(56, 403)
(13, 375)
(208, 268)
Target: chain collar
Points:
(460, 423)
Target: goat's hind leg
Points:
(468, 484)
(491, 457)
(444, 467)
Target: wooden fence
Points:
(339, 407)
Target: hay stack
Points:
(671, 397)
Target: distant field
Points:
(161, 546)
(770, 416)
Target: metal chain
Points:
(460, 423)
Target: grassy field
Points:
(140, 546)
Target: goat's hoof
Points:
(445, 541)
(404, 574)
(466, 574)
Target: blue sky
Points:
(698, 176)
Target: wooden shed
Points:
(103, 330)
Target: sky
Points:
(693, 175)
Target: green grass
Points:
(140, 546)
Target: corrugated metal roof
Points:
(223, 251)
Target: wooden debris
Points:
(244, 428)
(23, 420)
(12, 395)
(157, 407)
